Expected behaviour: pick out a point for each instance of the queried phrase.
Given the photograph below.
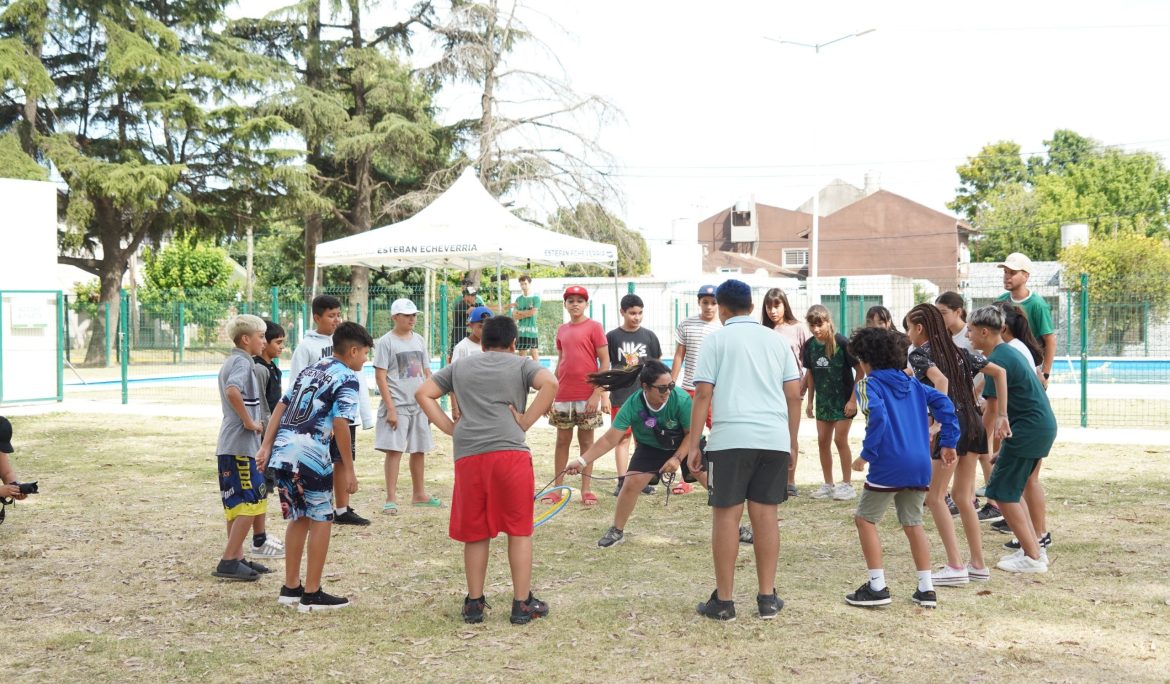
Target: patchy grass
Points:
(107, 579)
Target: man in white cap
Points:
(1016, 270)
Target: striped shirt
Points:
(690, 335)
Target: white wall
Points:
(28, 261)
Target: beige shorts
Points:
(872, 506)
(567, 415)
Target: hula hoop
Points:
(545, 516)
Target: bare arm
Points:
(600, 448)
(997, 419)
(427, 397)
(940, 381)
(545, 384)
(680, 353)
(1049, 356)
(792, 390)
(383, 379)
(700, 407)
(8, 476)
(270, 435)
(341, 437)
(600, 397)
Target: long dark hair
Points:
(945, 355)
(773, 297)
(1016, 321)
(954, 302)
(646, 372)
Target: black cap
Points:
(5, 435)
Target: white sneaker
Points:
(1023, 564)
(1019, 553)
(825, 491)
(270, 550)
(977, 574)
(949, 577)
(843, 492)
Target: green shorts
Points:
(1009, 477)
(872, 505)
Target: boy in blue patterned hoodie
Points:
(897, 448)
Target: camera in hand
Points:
(27, 487)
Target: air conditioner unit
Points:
(744, 222)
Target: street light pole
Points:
(815, 236)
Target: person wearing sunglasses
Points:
(659, 416)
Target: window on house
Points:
(795, 258)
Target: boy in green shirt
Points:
(524, 311)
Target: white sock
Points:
(339, 511)
(877, 579)
(925, 583)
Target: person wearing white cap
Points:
(401, 365)
(1016, 270)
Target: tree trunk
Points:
(314, 79)
(112, 267)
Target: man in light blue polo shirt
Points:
(748, 376)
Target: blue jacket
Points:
(897, 440)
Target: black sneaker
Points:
(649, 489)
(350, 517)
(618, 487)
(236, 571)
(319, 600)
(793, 491)
(612, 537)
(769, 605)
(524, 612)
(716, 609)
(1001, 526)
(1044, 542)
(745, 535)
(952, 507)
(926, 599)
(473, 610)
(990, 514)
(290, 597)
(262, 569)
(866, 597)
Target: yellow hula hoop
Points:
(545, 516)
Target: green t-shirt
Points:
(832, 377)
(527, 326)
(1037, 311)
(1030, 414)
(635, 413)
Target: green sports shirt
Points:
(1037, 311)
(527, 326)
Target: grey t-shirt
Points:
(485, 385)
(236, 372)
(405, 362)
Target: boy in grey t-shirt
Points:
(493, 467)
(401, 364)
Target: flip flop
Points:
(552, 498)
(589, 499)
(682, 488)
(433, 502)
(390, 508)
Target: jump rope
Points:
(544, 516)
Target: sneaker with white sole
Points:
(1001, 526)
(977, 574)
(926, 599)
(290, 597)
(946, 576)
(319, 600)
(990, 514)
(1044, 542)
(843, 492)
(1023, 564)
(269, 550)
(866, 597)
(612, 537)
(825, 491)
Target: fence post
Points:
(841, 308)
(124, 343)
(275, 305)
(603, 325)
(1146, 325)
(68, 333)
(358, 311)
(630, 287)
(1068, 305)
(61, 338)
(591, 308)
(443, 325)
(1084, 350)
(182, 330)
(676, 313)
(106, 332)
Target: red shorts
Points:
(493, 494)
(692, 393)
(613, 411)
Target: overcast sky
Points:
(714, 112)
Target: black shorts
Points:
(968, 444)
(650, 459)
(759, 475)
(525, 343)
(335, 455)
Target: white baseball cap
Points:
(403, 306)
(1017, 262)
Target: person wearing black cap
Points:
(11, 487)
(459, 312)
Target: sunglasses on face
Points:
(663, 388)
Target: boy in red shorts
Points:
(493, 466)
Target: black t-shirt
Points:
(272, 391)
(628, 349)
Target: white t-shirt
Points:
(1019, 346)
(465, 348)
(961, 341)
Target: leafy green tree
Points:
(592, 222)
(141, 123)
(986, 176)
(15, 163)
(1129, 282)
(198, 275)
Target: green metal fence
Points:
(1112, 367)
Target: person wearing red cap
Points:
(581, 349)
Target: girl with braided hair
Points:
(938, 362)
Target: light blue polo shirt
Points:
(748, 364)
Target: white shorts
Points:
(412, 436)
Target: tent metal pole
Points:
(617, 297)
(499, 287)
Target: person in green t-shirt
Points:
(659, 415)
(1016, 271)
(525, 310)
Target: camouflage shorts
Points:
(567, 415)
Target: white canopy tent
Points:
(464, 228)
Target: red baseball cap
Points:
(576, 290)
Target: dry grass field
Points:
(106, 578)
